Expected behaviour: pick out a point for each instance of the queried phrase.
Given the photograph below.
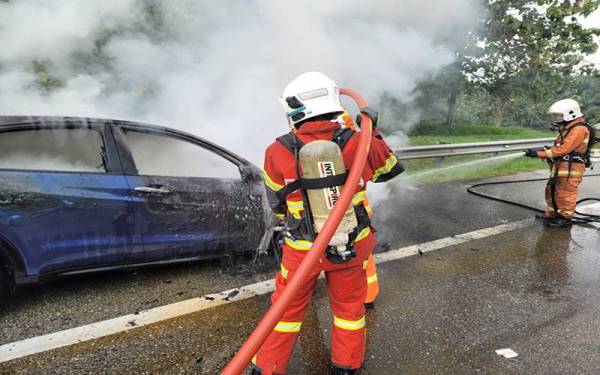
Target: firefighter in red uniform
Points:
(312, 106)
(567, 160)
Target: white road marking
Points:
(124, 323)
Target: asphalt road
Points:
(533, 290)
(417, 291)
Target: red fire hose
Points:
(276, 311)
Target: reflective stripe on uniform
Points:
(294, 207)
(270, 183)
(302, 245)
(288, 327)
(363, 234)
(365, 264)
(566, 212)
(586, 141)
(573, 173)
(284, 271)
(389, 164)
(372, 279)
(254, 360)
(361, 197)
(349, 325)
(280, 216)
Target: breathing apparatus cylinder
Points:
(595, 144)
(323, 159)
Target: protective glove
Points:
(371, 113)
(531, 153)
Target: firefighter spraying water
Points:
(567, 159)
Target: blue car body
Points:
(55, 223)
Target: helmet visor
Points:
(558, 117)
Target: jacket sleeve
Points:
(576, 137)
(382, 161)
(273, 183)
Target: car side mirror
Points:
(250, 173)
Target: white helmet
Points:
(568, 108)
(310, 95)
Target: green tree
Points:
(529, 50)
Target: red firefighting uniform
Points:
(566, 176)
(372, 280)
(346, 282)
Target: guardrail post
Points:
(439, 161)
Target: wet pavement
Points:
(532, 290)
(446, 312)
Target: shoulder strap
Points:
(290, 141)
(342, 136)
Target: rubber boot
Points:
(344, 371)
(370, 305)
(558, 222)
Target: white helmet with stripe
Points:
(310, 95)
(567, 108)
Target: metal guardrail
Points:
(455, 149)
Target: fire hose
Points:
(580, 218)
(277, 309)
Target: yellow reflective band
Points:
(270, 183)
(294, 207)
(363, 234)
(280, 216)
(573, 173)
(549, 154)
(365, 264)
(389, 164)
(359, 197)
(586, 141)
(302, 245)
(566, 212)
(549, 209)
(349, 325)
(288, 327)
(284, 271)
(372, 279)
(254, 360)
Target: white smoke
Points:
(215, 68)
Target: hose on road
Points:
(276, 311)
(580, 217)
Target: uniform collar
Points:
(575, 122)
(317, 127)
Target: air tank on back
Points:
(322, 159)
(595, 146)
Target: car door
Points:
(62, 200)
(190, 201)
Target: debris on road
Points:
(507, 353)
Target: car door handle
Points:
(151, 190)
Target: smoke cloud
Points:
(215, 69)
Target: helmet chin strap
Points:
(557, 125)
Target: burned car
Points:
(80, 195)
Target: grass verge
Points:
(460, 134)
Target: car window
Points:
(63, 150)
(158, 155)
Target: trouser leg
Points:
(566, 196)
(347, 290)
(274, 354)
(372, 280)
